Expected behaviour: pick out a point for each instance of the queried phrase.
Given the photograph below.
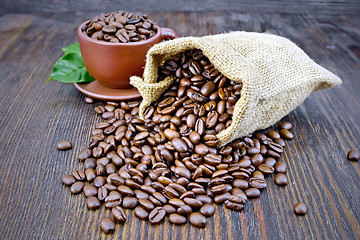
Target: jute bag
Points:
(277, 76)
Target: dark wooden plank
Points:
(252, 6)
(35, 116)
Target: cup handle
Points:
(168, 34)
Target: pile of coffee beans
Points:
(120, 27)
(168, 164)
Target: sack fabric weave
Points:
(276, 75)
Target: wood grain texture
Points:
(35, 116)
(253, 6)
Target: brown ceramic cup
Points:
(112, 64)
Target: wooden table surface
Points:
(35, 116)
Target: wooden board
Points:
(35, 116)
(254, 6)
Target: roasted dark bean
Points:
(90, 190)
(112, 201)
(107, 225)
(141, 213)
(177, 218)
(300, 208)
(157, 215)
(280, 179)
(119, 214)
(280, 167)
(197, 219)
(68, 180)
(129, 202)
(93, 203)
(286, 134)
(64, 145)
(252, 192)
(76, 187)
(353, 155)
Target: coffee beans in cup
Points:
(120, 27)
(169, 163)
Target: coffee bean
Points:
(102, 193)
(64, 145)
(147, 204)
(207, 210)
(300, 208)
(240, 183)
(257, 183)
(192, 202)
(280, 179)
(141, 213)
(267, 169)
(235, 202)
(90, 174)
(84, 154)
(219, 199)
(270, 161)
(286, 125)
(252, 192)
(125, 190)
(93, 203)
(353, 155)
(257, 159)
(107, 225)
(89, 163)
(119, 214)
(79, 175)
(273, 134)
(89, 99)
(208, 88)
(68, 180)
(204, 199)
(197, 219)
(171, 134)
(280, 167)
(286, 134)
(212, 119)
(169, 209)
(213, 159)
(140, 194)
(90, 190)
(184, 210)
(177, 218)
(99, 181)
(129, 202)
(180, 145)
(112, 201)
(77, 187)
(169, 192)
(157, 215)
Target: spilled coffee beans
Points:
(168, 163)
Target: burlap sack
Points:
(277, 76)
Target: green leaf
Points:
(69, 69)
(73, 48)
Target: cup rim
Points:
(87, 38)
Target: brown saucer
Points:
(98, 91)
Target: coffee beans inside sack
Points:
(275, 74)
(167, 166)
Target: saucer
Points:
(96, 90)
